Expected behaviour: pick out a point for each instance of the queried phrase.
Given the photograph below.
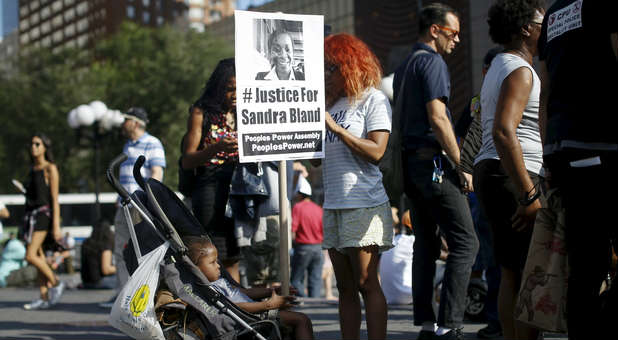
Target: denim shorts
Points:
(359, 227)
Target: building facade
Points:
(79, 23)
(206, 12)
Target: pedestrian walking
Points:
(139, 143)
(357, 216)
(578, 124)
(42, 218)
(430, 155)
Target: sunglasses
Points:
(37, 144)
(453, 33)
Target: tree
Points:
(162, 70)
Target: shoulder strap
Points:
(398, 101)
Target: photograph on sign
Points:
(279, 86)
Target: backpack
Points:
(390, 164)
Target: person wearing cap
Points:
(307, 235)
(139, 143)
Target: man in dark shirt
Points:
(429, 155)
(578, 120)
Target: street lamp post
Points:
(97, 117)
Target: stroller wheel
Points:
(475, 302)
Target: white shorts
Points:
(359, 227)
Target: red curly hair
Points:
(358, 66)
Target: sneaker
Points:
(37, 304)
(452, 334)
(491, 331)
(55, 293)
(426, 335)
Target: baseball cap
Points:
(138, 114)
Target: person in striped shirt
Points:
(139, 143)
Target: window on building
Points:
(34, 4)
(160, 20)
(82, 40)
(45, 12)
(35, 33)
(197, 2)
(45, 27)
(68, 2)
(69, 30)
(56, 5)
(23, 24)
(57, 36)
(82, 8)
(146, 3)
(23, 39)
(34, 18)
(146, 16)
(196, 13)
(130, 12)
(46, 42)
(57, 21)
(82, 25)
(215, 15)
(69, 14)
(23, 11)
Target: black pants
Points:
(208, 201)
(445, 205)
(589, 199)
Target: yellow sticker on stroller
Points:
(140, 300)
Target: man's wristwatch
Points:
(527, 199)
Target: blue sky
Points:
(244, 4)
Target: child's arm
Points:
(257, 293)
(262, 293)
(274, 302)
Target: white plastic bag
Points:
(133, 311)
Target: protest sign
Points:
(279, 86)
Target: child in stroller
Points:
(204, 255)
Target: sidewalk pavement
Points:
(78, 316)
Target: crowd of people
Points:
(477, 186)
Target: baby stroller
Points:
(201, 311)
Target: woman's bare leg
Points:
(365, 267)
(36, 257)
(349, 300)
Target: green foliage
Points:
(163, 70)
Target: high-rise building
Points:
(78, 23)
(8, 17)
(205, 12)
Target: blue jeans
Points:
(445, 205)
(485, 258)
(307, 257)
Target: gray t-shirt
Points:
(231, 292)
(349, 180)
(528, 129)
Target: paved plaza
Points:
(78, 316)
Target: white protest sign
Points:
(279, 86)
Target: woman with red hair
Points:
(357, 216)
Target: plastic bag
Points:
(133, 311)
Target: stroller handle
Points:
(113, 180)
(137, 174)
